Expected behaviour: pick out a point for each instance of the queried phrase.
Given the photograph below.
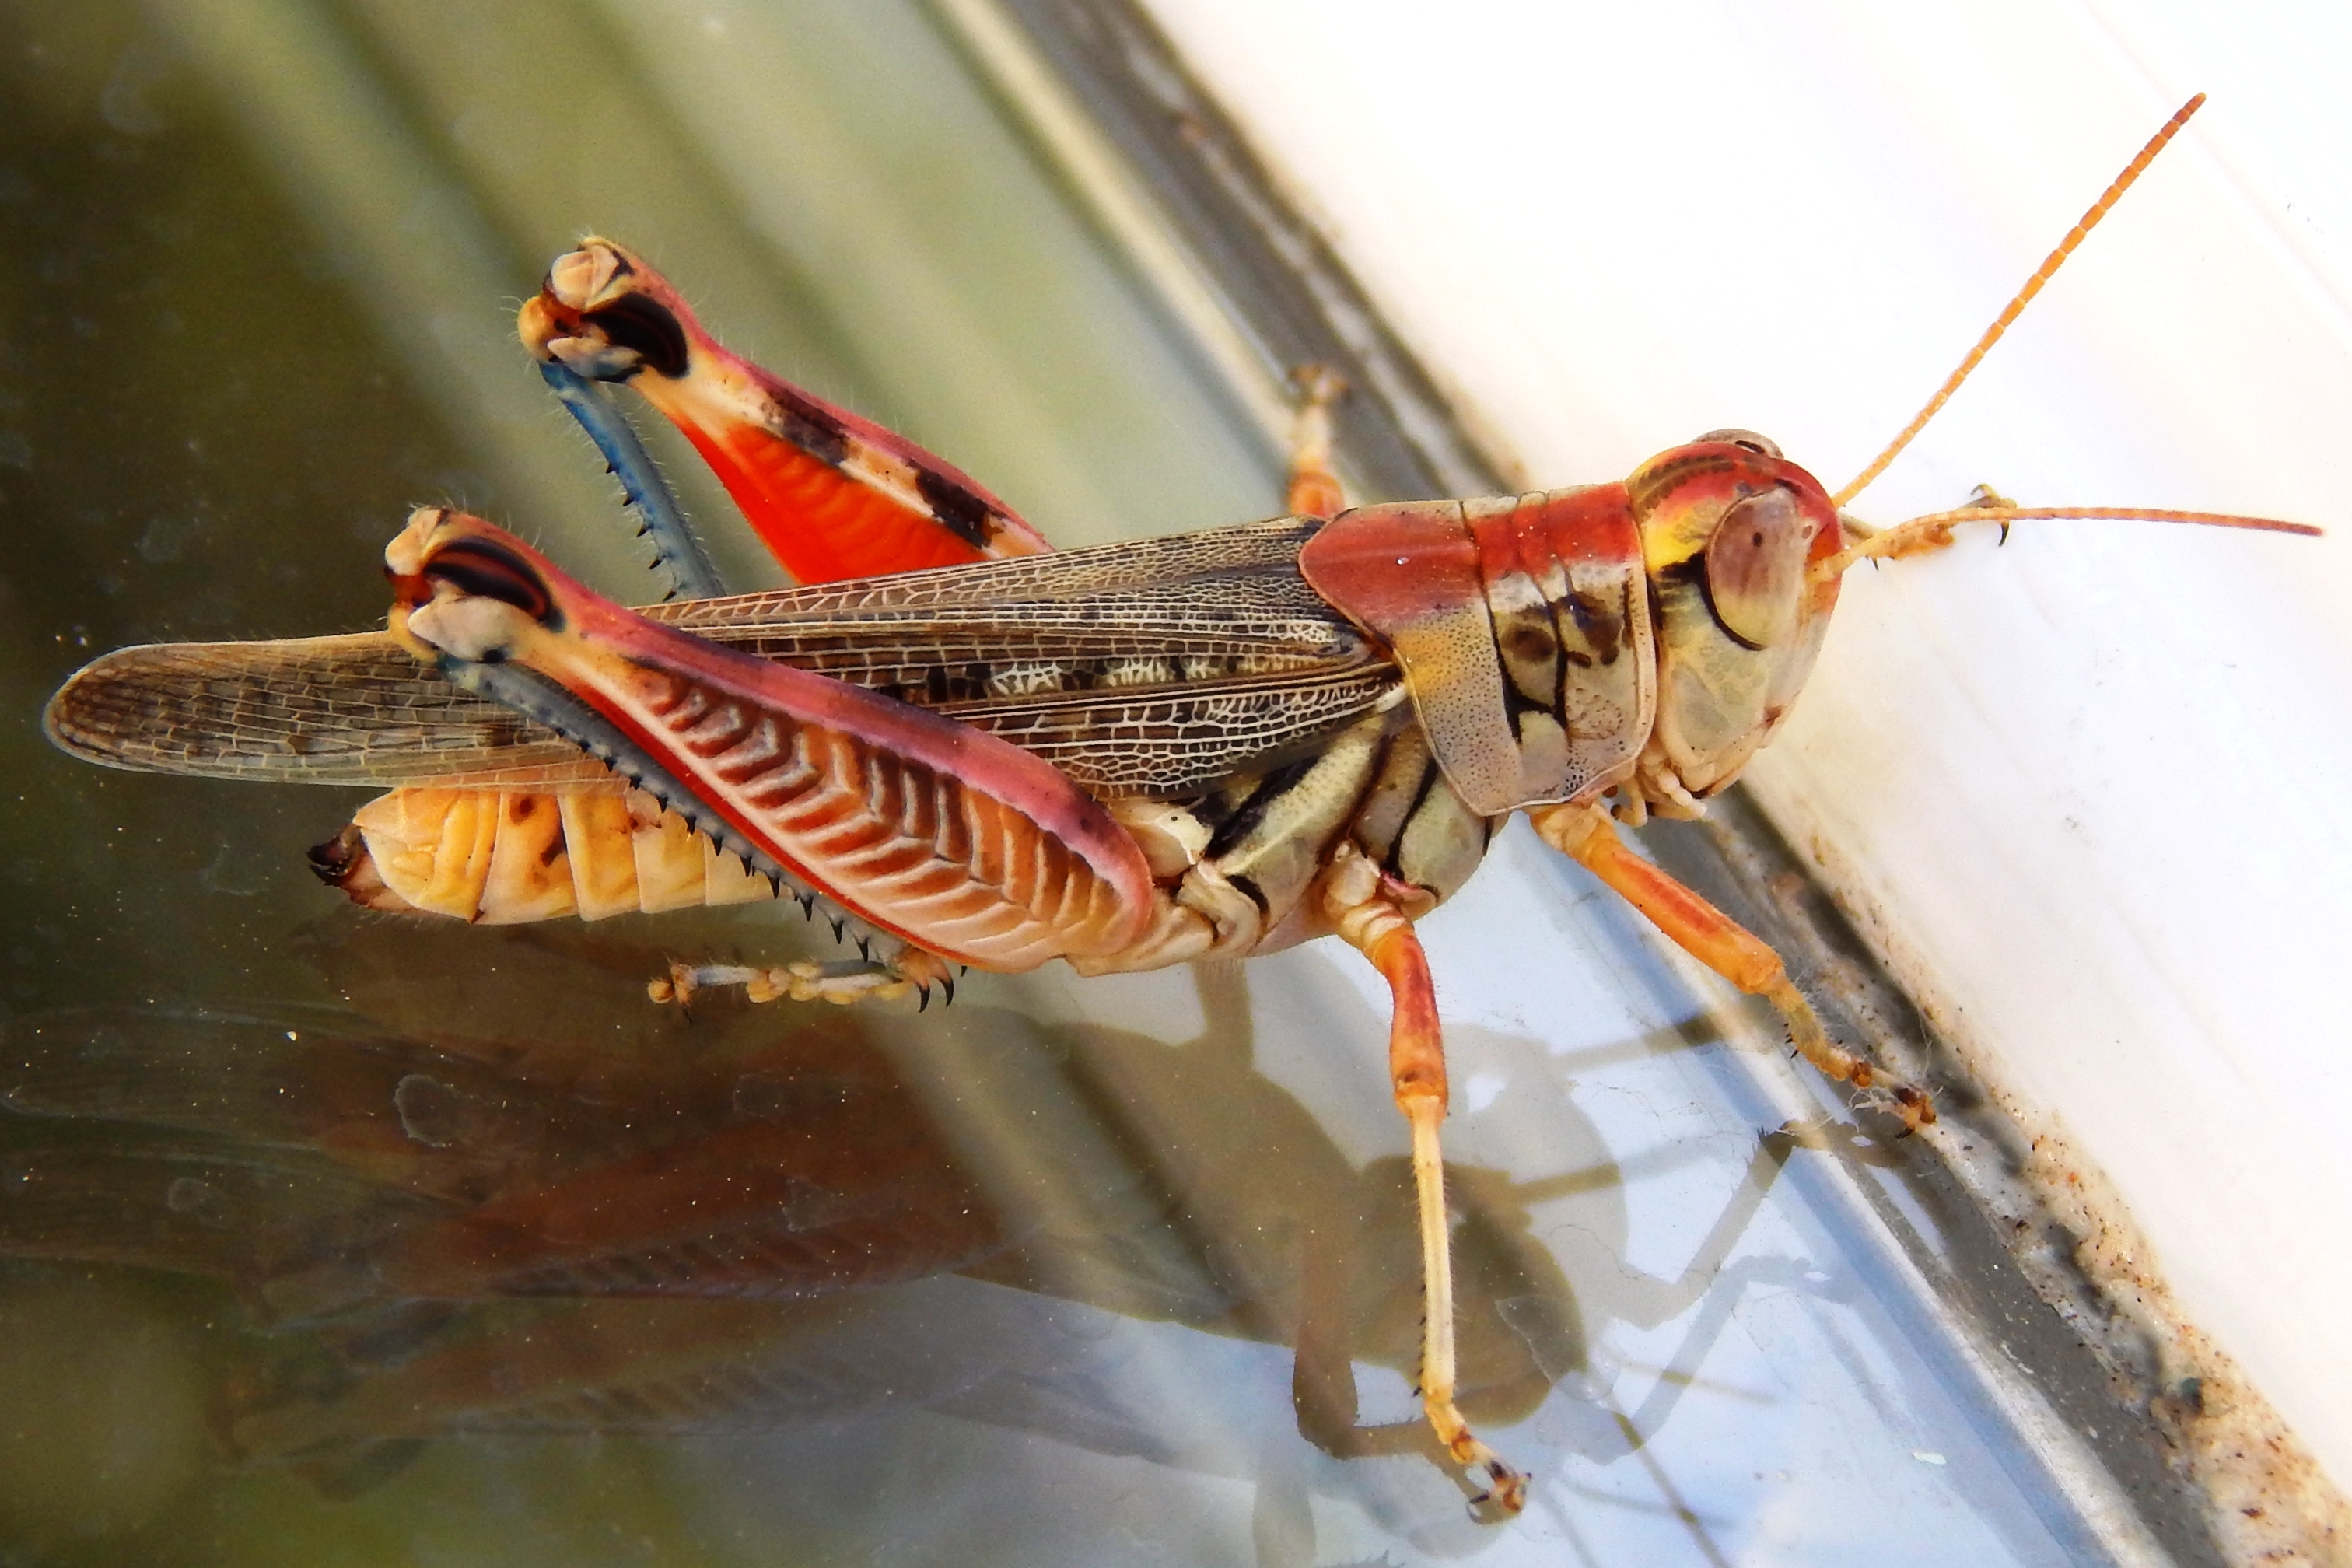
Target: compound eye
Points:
(1762, 445)
(1755, 566)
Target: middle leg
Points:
(1369, 919)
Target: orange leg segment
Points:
(1373, 924)
(1315, 490)
(1585, 835)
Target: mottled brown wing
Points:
(1156, 668)
(354, 710)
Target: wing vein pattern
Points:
(1156, 667)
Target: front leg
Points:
(1585, 835)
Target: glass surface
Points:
(335, 1238)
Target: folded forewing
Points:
(1157, 667)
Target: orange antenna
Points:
(2024, 296)
(1933, 532)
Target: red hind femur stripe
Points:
(942, 834)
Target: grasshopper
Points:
(979, 752)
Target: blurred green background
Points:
(259, 265)
(261, 261)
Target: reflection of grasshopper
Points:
(728, 1236)
(1214, 745)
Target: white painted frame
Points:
(2083, 792)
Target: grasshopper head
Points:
(1744, 552)
(1730, 532)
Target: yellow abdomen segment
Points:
(509, 857)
